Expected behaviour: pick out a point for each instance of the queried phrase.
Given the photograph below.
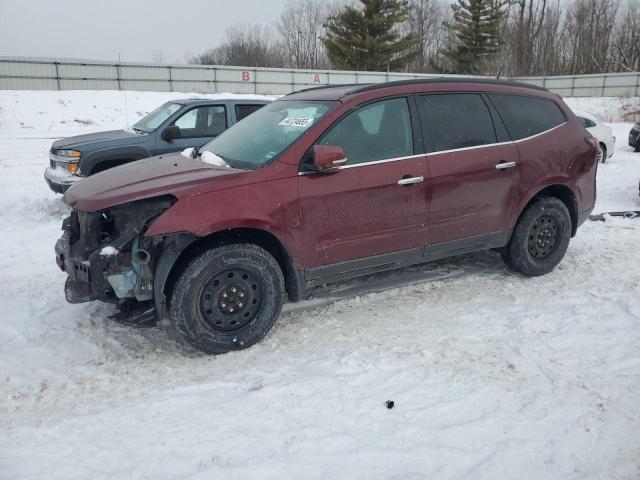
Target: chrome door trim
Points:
(441, 152)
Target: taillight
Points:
(593, 142)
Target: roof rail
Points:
(418, 81)
(337, 85)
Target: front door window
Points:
(378, 131)
(201, 122)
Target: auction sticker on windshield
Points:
(303, 122)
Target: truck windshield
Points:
(153, 120)
(261, 136)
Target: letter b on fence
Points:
(246, 76)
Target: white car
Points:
(600, 131)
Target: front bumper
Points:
(59, 180)
(106, 256)
(78, 287)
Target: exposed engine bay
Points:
(106, 255)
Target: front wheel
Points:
(227, 298)
(540, 239)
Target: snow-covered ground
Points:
(493, 375)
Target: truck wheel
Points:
(227, 298)
(540, 239)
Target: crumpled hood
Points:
(152, 177)
(80, 140)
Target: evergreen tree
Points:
(368, 39)
(476, 28)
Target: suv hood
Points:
(80, 140)
(151, 177)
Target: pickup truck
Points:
(173, 126)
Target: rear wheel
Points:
(227, 298)
(540, 239)
(602, 153)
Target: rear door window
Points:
(246, 110)
(527, 116)
(456, 120)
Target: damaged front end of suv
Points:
(107, 256)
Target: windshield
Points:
(261, 136)
(153, 120)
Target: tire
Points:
(602, 153)
(227, 298)
(540, 239)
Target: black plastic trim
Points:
(388, 261)
(461, 246)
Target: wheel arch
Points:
(112, 156)
(565, 195)
(182, 251)
(101, 166)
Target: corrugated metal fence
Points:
(25, 73)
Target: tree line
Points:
(482, 37)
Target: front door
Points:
(375, 204)
(197, 127)
(473, 168)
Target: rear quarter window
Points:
(527, 116)
(243, 110)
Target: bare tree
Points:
(626, 39)
(247, 45)
(537, 37)
(301, 29)
(426, 23)
(525, 28)
(590, 24)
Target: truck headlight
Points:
(68, 153)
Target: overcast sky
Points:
(97, 29)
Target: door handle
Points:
(410, 180)
(503, 165)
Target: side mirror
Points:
(327, 158)
(171, 133)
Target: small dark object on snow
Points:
(390, 404)
(628, 214)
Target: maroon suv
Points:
(328, 184)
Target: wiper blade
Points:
(138, 130)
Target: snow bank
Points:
(608, 109)
(59, 114)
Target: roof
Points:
(337, 92)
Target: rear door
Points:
(473, 168)
(197, 126)
(375, 204)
